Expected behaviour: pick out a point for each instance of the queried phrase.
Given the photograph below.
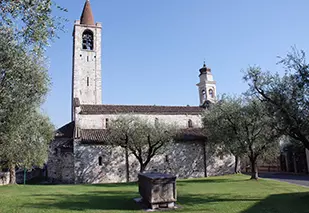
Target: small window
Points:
(156, 122)
(100, 161)
(106, 123)
(190, 124)
(211, 93)
(87, 81)
(167, 159)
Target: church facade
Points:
(79, 152)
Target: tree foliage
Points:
(241, 127)
(26, 28)
(286, 97)
(221, 137)
(141, 137)
(31, 22)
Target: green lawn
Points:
(226, 194)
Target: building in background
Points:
(79, 153)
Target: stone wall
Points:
(60, 164)
(88, 170)
(98, 121)
(4, 178)
(185, 160)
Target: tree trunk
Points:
(254, 171)
(127, 160)
(205, 159)
(142, 168)
(236, 164)
(12, 174)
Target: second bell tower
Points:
(86, 79)
(206, 86)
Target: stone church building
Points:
(79, 152)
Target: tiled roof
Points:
(142, 109)
(67, 131)
(93, 136)
(99, 136)
(191, 134)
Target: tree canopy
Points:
(31, 22)
(26, 28)
(286, 97)
(242, 127)
(141, 137)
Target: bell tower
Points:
(86, 75)
(206, 86)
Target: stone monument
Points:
(158, 190)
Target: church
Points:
(80, 154)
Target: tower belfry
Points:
(206, 86)
(86, 79)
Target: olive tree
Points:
(26, 28)
(241, 126)
(285, 97)
(144, 139)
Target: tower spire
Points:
(87, 16)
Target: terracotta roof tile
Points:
(191, 134)
(93, 136)
(99, 136)
(142, 109)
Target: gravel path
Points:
(302, 180)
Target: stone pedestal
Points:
(157, 189)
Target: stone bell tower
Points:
(206, 86)
(86, 79)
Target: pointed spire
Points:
(87, 16)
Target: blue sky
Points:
(152, 49)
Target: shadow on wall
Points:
(89, 170)
(95, 200)
(218, 167)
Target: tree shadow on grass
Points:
(282, 203)
(221, 180)
(277, 203)
(114, 185)
(94, 200)
(197, 199)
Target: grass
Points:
(226, 194)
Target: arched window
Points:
(190, 124)
(211, 93)
(204, 94)
(100, 161)
(88, 40)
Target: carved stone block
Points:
(158, 189)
